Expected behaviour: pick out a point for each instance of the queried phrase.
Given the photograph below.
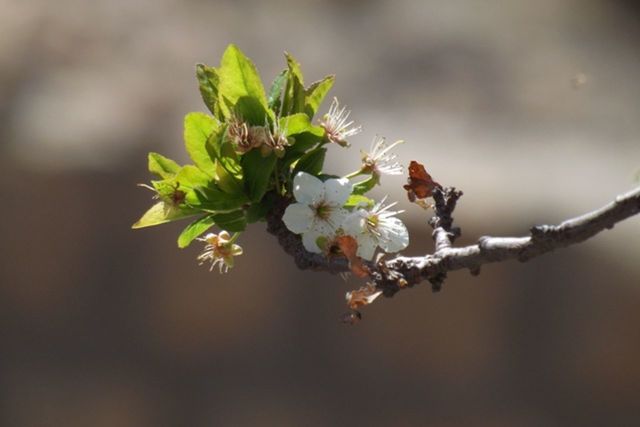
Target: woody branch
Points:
(401, 272)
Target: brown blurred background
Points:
(532, 108)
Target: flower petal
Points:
(298, 217)
(354, 223)
(307, 188)
(337, 191)
(309, 241)
(396, 236)
(366, 246)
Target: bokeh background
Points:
(532, 108)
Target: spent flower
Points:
(220, 250)
(380, 160)
(337, 126)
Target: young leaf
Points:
(358, 200)
(198, 127)
(195, 229)
(257, 211)
(239, 79)
(294, 94)
(227, 182)
(311, 162)
(212, 199)
(231, 221)
(191, 177)
(296, 124)
(160, 213)
(316, 93)
(274, 100)
(208, 81)
(257, 171)
(162, 166)
(365, 186)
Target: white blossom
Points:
(375, 227)
(318, 211)
(380, 160)
(336, 125)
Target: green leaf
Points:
(257, 171)
(231, 221)
(294, 94)
(311, 162)
(160, 213)
(192, 177)
(358, 200)
(296, 124)
(239, 79)
(212, 199)
(274, 100)
(227, 182)
(258, 211)
(315, 94)
(162, 166)
(198, 128)
(302, 143)
(365, 186)
(195, 229)
(208, 81)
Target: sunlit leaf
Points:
(162, 166)
(208, 81)
(315, 94)
(195, 229)
(198, 128)
(240, 84)
(160, 213)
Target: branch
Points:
(392, 275)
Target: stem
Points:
(355, 173)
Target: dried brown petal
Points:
(363, 296)
(420, 185)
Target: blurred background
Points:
(531, 108)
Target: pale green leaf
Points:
(316, 93)
(162, 166)
(160, 213)
(198, 128)
(195, 229)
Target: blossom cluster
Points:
(259, 147)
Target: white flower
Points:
(219, 250)
(318, 211)
(380, 161)
(377, 227)
(336, 125)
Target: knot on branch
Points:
(445, 200)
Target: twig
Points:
(400, 272)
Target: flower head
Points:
(336, 125)
(276, 140)
(318, 211)
(220, 250)
(381, 161)
(377, 227)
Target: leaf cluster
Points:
(245, 151)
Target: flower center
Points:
(322, 211)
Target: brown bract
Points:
(363, 296)
(419, 185)
(348, 246)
